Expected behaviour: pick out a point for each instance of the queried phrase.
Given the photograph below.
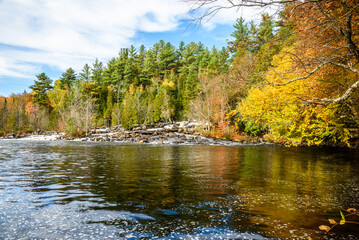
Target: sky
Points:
(53, 35)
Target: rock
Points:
(183, 137)
(189, 131)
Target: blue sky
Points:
(51, 36)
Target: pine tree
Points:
(85, 73)
(241, 40)
(204, 60)
(190, 86)
(265, 31)
(148, 70)
(166, 58)
(40, 88)
(264, 49)
(180, 51)
(67, 79)
(97, 71)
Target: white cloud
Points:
(64, 33)
(10, 67)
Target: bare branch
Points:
(325, 101)
(299, 78)
(348, 66)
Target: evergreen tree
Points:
(109, 72)
(140, 58)
(166, 58)
(180, 51)
(241, 40)
(97, 71)
(40, 88)
(85, 72)
(189, 54)
(204, 60)
(190, 86)
(67, 79)
(265, 31)
(223, 60)
(264, 49)
(148, 70)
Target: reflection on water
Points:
(73, 190)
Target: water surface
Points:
(76, 190)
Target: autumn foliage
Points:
(308, 92)
(290, 78)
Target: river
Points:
(88, 190)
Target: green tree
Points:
(241, 38)
(85, 73)
(148, 70)
(97, 71)
(67, 79)
(109, 107)
(58, 100)
(166, 58)
(40, 88)
(129, 116)
(4, 115)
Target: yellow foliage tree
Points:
(57, 98)
(280, 107)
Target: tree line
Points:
(291, 77)
(139, 86)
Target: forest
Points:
(291, 78)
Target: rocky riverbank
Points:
(182, 133)
(175, 133)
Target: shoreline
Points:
(178, 133)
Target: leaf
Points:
(342, 222)
(343, 217)
(332, 221)
(324, 228)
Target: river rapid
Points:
(92, 190)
